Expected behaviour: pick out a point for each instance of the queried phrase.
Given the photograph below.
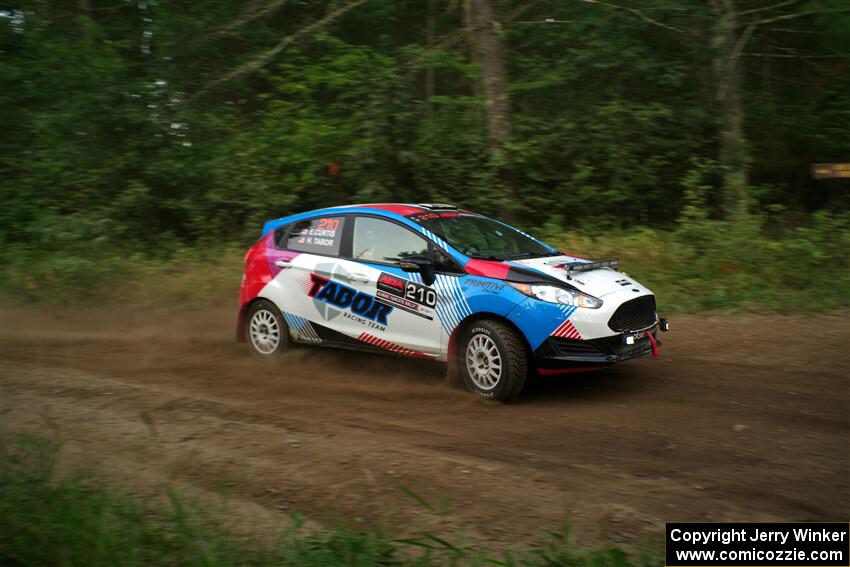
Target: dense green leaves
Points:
(118, 139)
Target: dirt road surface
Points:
(740, 419)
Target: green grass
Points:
(698, 266)
(726, 267)
(46, 521)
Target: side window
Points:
(280, 236)
(377, 240)
(318, 236)
(443, 262)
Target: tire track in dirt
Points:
(735, 424)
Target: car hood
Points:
(599, 282)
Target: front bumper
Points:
(560, 354)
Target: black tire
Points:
(267, 322)
(477, 360)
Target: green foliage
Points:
(700, 265)
(117, 156)
(719, 265)
(69, 521)
(335, 104)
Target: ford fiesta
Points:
(436, 282)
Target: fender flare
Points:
(452, 354)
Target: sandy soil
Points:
(740, 419)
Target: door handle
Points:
(358, 278)
(283, 264)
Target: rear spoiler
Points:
(576, 267)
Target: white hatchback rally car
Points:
(436, 282)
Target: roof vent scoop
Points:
(437, 207)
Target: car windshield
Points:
(483, 238)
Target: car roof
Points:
(390, 209)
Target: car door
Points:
(306, 258)
(408, 322)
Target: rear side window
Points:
(318, 236)
(280, 236)
(377, 240)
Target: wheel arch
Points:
(240, 319)
(454, 338)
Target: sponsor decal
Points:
(341, 296)
(321, 233)
(431, 216)
(485, 285)
(407, 295)
(362, 321)
(389, 282)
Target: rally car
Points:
(437, 282)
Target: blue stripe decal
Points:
(452, 307)
(437, 240)
(445, 309)
(300, 328)
(567, 310)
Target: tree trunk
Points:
(471, 43)
(486, 33)
(733, 151)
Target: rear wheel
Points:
(266, 330)
(494, 362)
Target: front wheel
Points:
(494, 361)
(266, 330)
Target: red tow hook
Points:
(652, 342)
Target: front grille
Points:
(634, 315)
(572, 347)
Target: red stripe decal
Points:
(403, 210)
(487, 269)
(557, 332)
(567, 330)
(392, 347)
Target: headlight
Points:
(562, 295)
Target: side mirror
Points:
(421, 265)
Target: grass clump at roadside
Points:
(698, 265)
(68, 521)
(705, 265)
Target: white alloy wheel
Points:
(483, 362)
(264, 331)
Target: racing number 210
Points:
(329, 224)
(421, 294)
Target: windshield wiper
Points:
(488, 257)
